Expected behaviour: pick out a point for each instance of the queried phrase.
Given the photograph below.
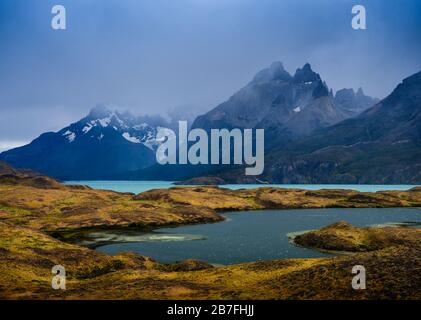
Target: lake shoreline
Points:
(263, 198)
(52, 207)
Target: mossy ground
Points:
(342, 236)
(29, 214)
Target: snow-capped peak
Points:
(100, 120)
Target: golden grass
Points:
(27, 253)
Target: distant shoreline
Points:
(138, 186)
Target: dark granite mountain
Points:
(100, 146)
(381, 145)
(285, 106)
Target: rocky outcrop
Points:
(342, 236)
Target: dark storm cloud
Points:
(152, 55)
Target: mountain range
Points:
(311, 136)
(382, 145)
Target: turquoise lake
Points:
(141, 186)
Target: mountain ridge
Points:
(382, 145)
(108, 144)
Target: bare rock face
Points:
(352, 103)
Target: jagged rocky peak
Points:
(275, 72)
(349, 93)
(345, 94)
(353, 102)
(109, 115)
(105, 115)
(306, 75)
(360, 92)
(284, 105)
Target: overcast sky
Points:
(149, 56)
